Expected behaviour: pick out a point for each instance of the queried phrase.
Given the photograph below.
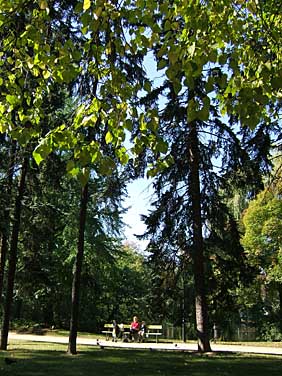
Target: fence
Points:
(232, 332)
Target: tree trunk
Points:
(198, 245)
(280, 305)
(13, 256)
(4, 251)
(77, 273)
(6, 228)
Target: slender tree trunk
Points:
(198, 245)
(13, 256)
(6, 229)
(4, 251)
(77, 272)
(280, 305)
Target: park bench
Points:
(152, 331)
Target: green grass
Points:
(250, 343)
(42, 359)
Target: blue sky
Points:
(140, 191)
(138, 202)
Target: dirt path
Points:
(152, 346)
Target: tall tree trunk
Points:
(77, 272)
(198, 245)
(6, 228)
(13, 256)
(4, 251)
(280, 305)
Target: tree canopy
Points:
(94, 44)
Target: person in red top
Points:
(134, 328)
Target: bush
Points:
(26, 326)
(270, 333)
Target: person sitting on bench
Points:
(142, 332)
(134, 329)
(116, 331)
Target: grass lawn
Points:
(65, 333)
(42, 359)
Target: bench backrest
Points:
(154, 327)
(127, 326)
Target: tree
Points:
(48, 246)
(211, 46)
(127, 292)
(242, 39)
(192, 221)
(107, 65)
(236, 37)
(77, 271)
(5, 217)
(262, 222)
(13, 253)
(197, 242)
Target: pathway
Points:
(152, 346)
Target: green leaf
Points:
(84, 176)
(109, 137)
(191, 49)
(191, 110)
(162, 64)
(173, 56)
(148, 86)
(161, 146)
(152, 172)
(122, 155)
(209, 85)
(46, 74)
(177, 86)
(129, 124)
(41, 152)
(276, 82)
(37, 157)
(143, 124)
(86, 4)
(12, 99)
(171, 73)
(72, 170)
(43, 4)
(204, 114)
(107, 165)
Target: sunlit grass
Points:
(42, 359)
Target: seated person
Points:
(142, 332)
(121, 331)
(115, 332)
(134, 328)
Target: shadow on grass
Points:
(50, 360)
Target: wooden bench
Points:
(152, 331)
(108, 330)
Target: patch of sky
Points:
(140, 191)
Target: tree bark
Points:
(13, 255)
(4, 251)
(77, 273)
(280, 305)
(198, 245)
(6, 228)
